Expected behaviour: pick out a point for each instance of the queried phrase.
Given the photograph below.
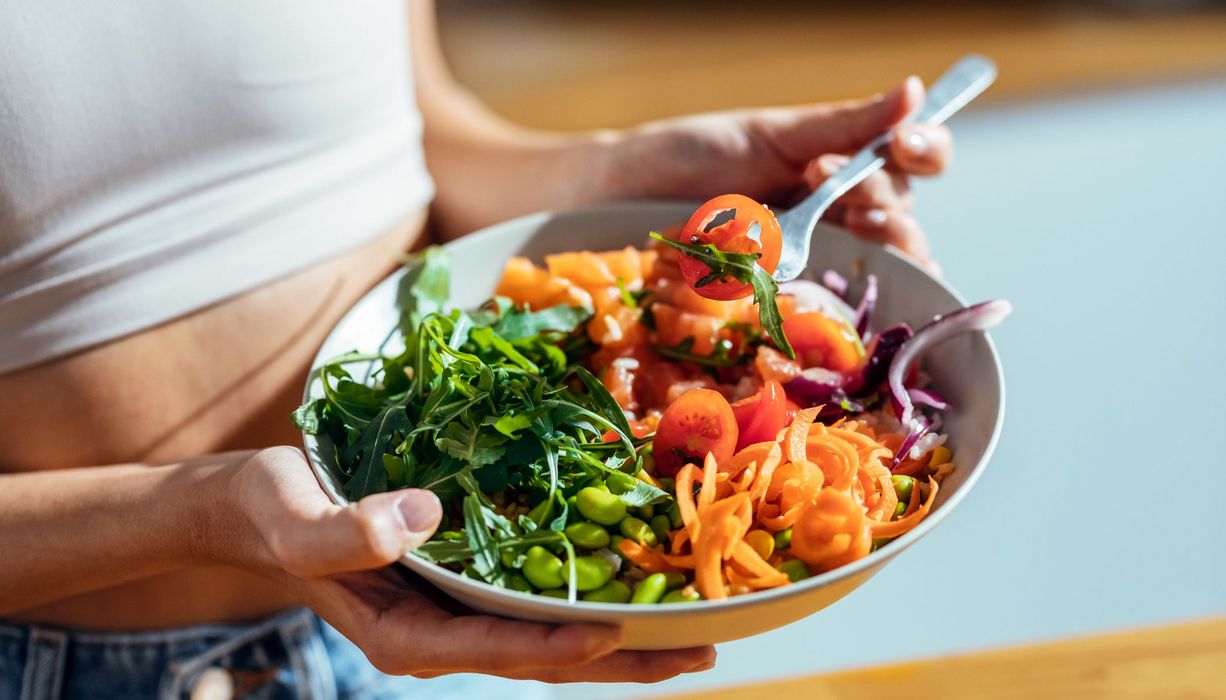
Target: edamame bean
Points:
(899, 510)
(637, 530)
(590, 572)
(619, 482)
(519, 582)
(612, 592)
(650, 590)
(645, 512)
(796, 570)
(572, 510)
(674, 579)
(762, 542)
(541, 512)
(613, 540)
(588, 535)
(681, 596)
(783, 539)
(600, 506)
(667, 483)
(903, 486)
(674, 515)
(542, 568)
(452, 536)
(556, 593)
(660, 525)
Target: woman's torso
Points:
(148, 138)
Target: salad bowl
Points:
(966, 370)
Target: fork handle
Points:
(964, 81)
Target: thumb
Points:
(801, 134)
(369, 534)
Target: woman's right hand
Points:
(335, 558)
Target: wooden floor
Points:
(1174, 662)
(579, 65)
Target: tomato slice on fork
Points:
(735, 224)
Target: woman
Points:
(191, 194)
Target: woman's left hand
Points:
(777, 155)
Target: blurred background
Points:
(1086, 190)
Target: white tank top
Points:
(157, 156)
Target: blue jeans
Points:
(291, 655)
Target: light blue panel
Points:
(1103, 219)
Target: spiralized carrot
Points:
(830, 484)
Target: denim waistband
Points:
(281, 657)
(291, 656)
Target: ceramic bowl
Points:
(966, 370)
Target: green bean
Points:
(588, 535)
(674, 515)
(783, 539)
(660, 525)
(638, 531)
(612, 592)
(681, 596)
(600, 506)
(675, 579)
(519, 582)
(650, 590)
(556, 593)
(903, 486)
(542, 568)
(591, 572)
(796, 570)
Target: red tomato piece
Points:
(823, 341)
(760, 417)
(733, 236)
(698, 422)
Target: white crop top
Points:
(157, 156)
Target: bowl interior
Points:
(965, 369)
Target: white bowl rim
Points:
(873, 559)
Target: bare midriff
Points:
(223, 378)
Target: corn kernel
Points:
(940, 455)
(762, 542)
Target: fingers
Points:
(891, 227)
(308, 536)
(800, 134)
(883, 189)
(630, 667)
(921, 149)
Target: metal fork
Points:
(963, 82)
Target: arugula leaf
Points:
(424, 289)
(721, 356)
(744, 268)
(605, 403)
(486, 561)
(370, 476)
(308, 416)
(471, 444)
(516, 323)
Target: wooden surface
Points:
(578, 65)
(1179, 661)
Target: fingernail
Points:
(876, 217)
(832, 164)
(421, 511)
(917, 143)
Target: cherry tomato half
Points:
(760, 417)
(698, 422)
(732, 236)
(823, 341)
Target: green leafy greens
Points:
(744, 268)
(484, 401)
